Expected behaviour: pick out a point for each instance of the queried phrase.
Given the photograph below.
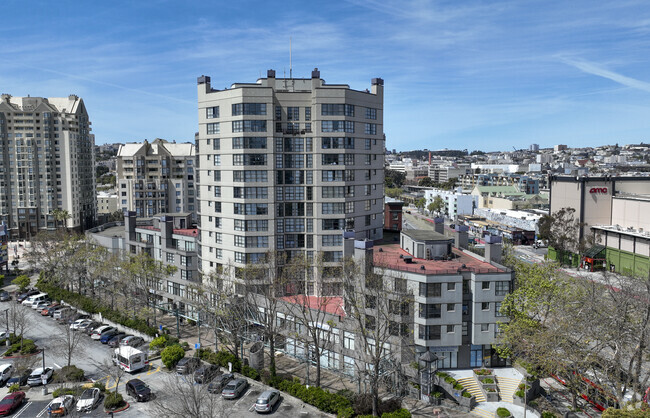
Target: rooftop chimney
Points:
(378, 81)
(493, 248)
(203, 79)
(270, 74)
(439, 225)
(315, 73)
(461, 236)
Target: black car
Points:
(20, 298)
(137, 389)
(187, 365)
(115, 340)
(20, 378)
(219, 382)
(206, 373)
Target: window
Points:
(248, 109)
(450, 329)
(170, 258)
(217, 175)
(261, 225)
(212, 112)
(485, 327)
(217, 191)
(431, 310)
(308, 113)
(250, 209)
(371, 113)
(430, 289)
(293, 113)
(216, 145)
(497, 309)
(249, 159)
(332, 208)
(451, 307)
(332, 240)
(278, 113)
(485, 306)
(429, 332)
(213, 128)
(329, 192)
(249, 126)
(217, 159)
(337, 126)
(250, 176)
(370, 129)
(465, 329)
(251, 242)
(334, 143)
(501, 288)
(337, 110)
(332, 224)
(249, 143)
(250, 192)
(451, 287)
(485, 285)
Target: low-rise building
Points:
(393, 214)
(456, 202)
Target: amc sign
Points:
(598, 190)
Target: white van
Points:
(130, 359)
(35, 298)
(6, 371)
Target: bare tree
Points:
(113, 371)
(20, 320)
(67, 343)
(379, 308)
(188, 400)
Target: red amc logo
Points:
(598, 190)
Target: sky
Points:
(476, 75)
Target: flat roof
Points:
(113, 231)
(389, 257)
(424, 235)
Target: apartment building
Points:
(156, 177)
(287, 164)
(47, 156)
(456, 202)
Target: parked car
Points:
(63, 312)
(6, 370)
(90, 330)
(21, 378)
(76, 324)
(49, 310)
(137, 389)
(38, 375)
(114, 341)
(35, 298)
(20, 298)
(39, 306)
(219, 382)
(5, 296)
(60, 406)
(234, 389)
(187, 365)
(4, 335)
(89, 399)
(11, 402)
(89, 326)
(267, 400)
(98, 332)
(75, 316)
(132, 341)
(206, 373)
(107, 335)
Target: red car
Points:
(11, 402)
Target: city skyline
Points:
(482, 76)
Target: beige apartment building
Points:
(288, 165)
(156, 177)
(47, 157)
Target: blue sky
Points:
(458, 74)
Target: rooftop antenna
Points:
(290, 66)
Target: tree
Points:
(61, 217)
(116, 216)
(394, 178)
(22, 281)
(188, 400)
(113, 371)
(419, 203)
(437, 205)
(378, 307)
(20, 319)
(426, 182)
(67, 343)
(100, 170)
(394, 192)
(561, 229)
(171, 355)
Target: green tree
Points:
(172, 355)
(419, 203)
(394, 192)
(100, 170)
(394, 178)
(437, 205)
(561, 229)
(61, 217)
(426, 182)
(22, 282)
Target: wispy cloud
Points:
(595, 69)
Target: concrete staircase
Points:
(507, 387)
(472, 387)
(478, 411)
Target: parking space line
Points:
(17, 414)
(150, 371)
(40, 414)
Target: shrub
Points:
(14, 388)
(548, 414)
(450, 379)
(22, 282)
(441, 374)
(74, 391)
(69, 374)
(100, 385)
(437, 395)
(158, 343)
(400, 413)
(458, 386)
(503, 412)
(28, 346)
(482, 372)
(490, 390)
(488, 381)
(328, 402)
(520, 394)
(171, 355)
(250, 372)
(467, 395)
(113, 400)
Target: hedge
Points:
(69, 374)
(94, 306)
(28, 347)
(113, 400)
(74, 391)
(161, 342)
(503, 412)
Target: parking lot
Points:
(164, 385)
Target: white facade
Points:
(456, 202)
(47, 157)
(288, 165)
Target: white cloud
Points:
(592, 68)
